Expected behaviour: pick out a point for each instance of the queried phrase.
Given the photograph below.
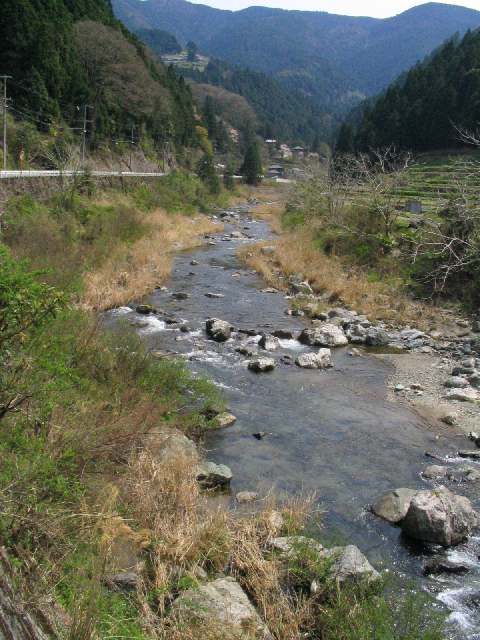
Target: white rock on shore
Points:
(225, 601)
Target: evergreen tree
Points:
(252, 165)
(192, 51)
(210, 117)
(228, 180)
(317, 143)
(345, 140)
(206, 173)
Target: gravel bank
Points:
(427, 374)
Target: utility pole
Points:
(5, 105)
(84, 132)
(132, 142)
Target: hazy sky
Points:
(376, 8)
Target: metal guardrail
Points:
(69, 174)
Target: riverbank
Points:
(77, 402)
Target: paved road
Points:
(68, 174)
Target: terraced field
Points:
(432, 180)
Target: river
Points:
(333, 432)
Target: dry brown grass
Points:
(161, 496)
(295, 253)
(132, 272)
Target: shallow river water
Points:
(333, 432)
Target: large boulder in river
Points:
(325, 335)
(439, 516)
(218, 330)
(394, 505)
(222, 601)
(320, 360)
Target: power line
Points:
(5, 78)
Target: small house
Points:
(276, 171)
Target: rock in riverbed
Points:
(439, 566)
(473, 455)
(439, 517)
(218, 330)
(144, 309)
(261, 365)
(214, 296)
(212, 476)
(224, 419)
(377, 338)
(393, 506)
(283, 334)
(224, 601)
(320, 360)
(326, 335)
(268, 342)
(435, 471)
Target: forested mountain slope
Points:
(64, 54)
(421, 110)
(283, 114)
(333, 58)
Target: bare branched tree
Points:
(381, 175)
(357, 194)
(450, 239)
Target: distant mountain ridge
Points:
(335, 59)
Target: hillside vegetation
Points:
(283, 114)
(423, 108)
(63, 55)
